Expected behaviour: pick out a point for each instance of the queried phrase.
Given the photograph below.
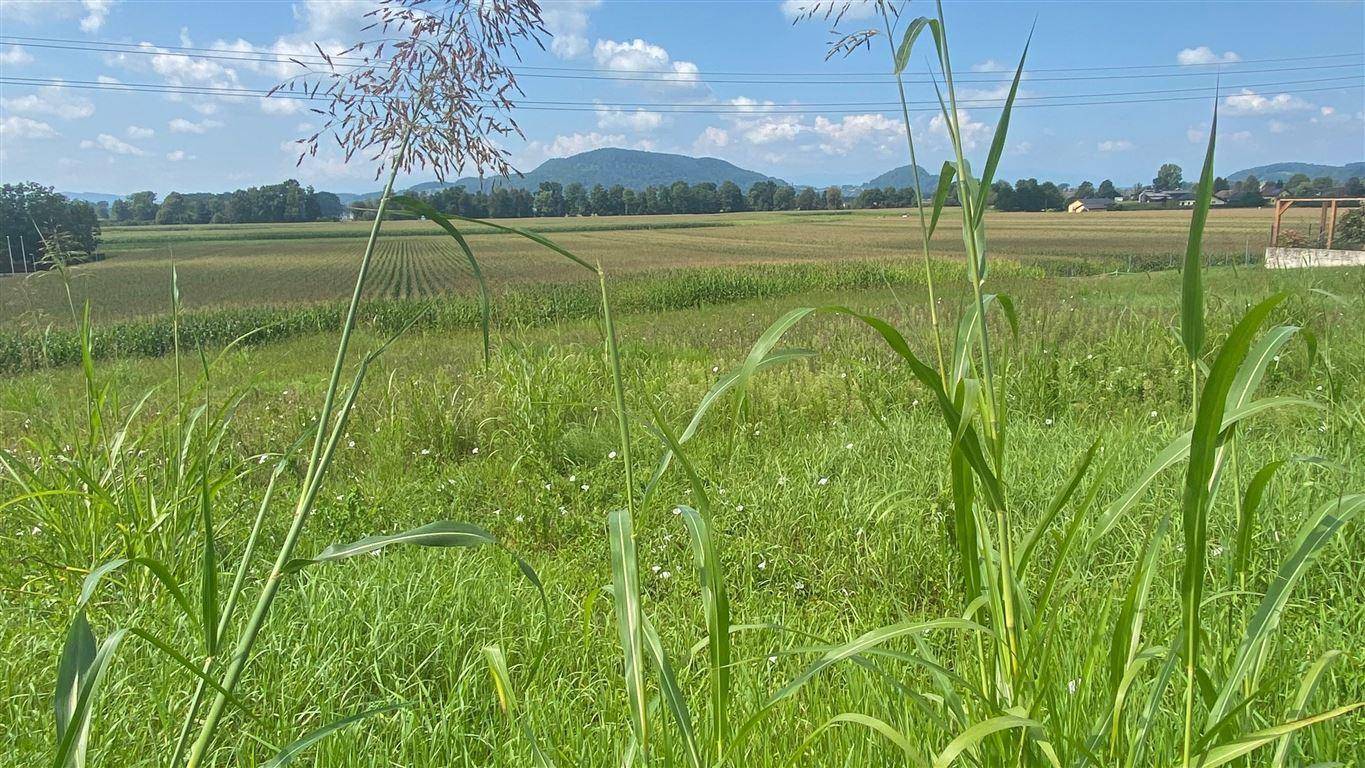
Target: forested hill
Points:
(1285, 171)
(902, 177)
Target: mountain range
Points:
(637, 169)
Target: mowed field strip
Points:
(287, 264)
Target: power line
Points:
(687, 109)
(689, 78)
(285, 58)
(680, 107)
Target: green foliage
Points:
(39, 224)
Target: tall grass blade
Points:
(73, 668)
(1001, 130)
(1192, 278)
(72, 742)
(629, 618)
(1246, 523)
(421, 207)
(1197, 494)
(978, 732)
(1315, 534)
(672, 694)
(287, 755)
(1307, 687)
(159, 571)
(1245, 745)
(510, 703)
(877, 726)
(1054, 508)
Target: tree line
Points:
(284, 202)
(555, 199)
(35, 219)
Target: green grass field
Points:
(829, 493)
(288, 264)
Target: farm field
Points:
(290, 264)
(828, 491)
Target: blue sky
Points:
(731, 57)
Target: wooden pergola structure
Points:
(1328, 221)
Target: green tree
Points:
(142, 206)
(1168, 176)
(1221, 184)
(761, 195)
(1107, 190)
(731, 196)
(1324, 186)
(173, 210)
(1299, 185)
(1085, 190)
(1354, 187)
(870, 197)
(576, 200)
(43, 218)
(784, 199)
(834, 198)
(807, 200)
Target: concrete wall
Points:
(1290, 258)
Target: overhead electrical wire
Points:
(754, 110)
(747, 78)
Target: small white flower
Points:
(547, 486)
(37, 529)
(772, 659)
(914, 402)
(425, 451)
(782, 480)
(677, 510)
(848, 447)
(800, 586)
(715, 369)
(1319, 387)
(1072, 686)
(611, 455)
(1152, 415)
(721, 491)
(1047, 422)
(474, 450)
(1215, 550)
(573, 478)
(739, 507)
(520, 519)
(843, 375)
(823, 481)
(762, 565)
(1277, 358)
(583, 487)
(262, 460)
(654, 568)
(665, 574)
(350, 443)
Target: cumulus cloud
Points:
(112, 145)
(96, 11)
(138, 132)
(973, 131)
(52, 100)
(16, 127)
(989, 65)
(573, 143)
(567, 21)
(856, 9)
(1114, 145)
(647, 58)
(107, 80)
(711, 139)
(15, 56)
(637, 120)
(1249, 102)
(181, 125)
(853, 132)
(178, 155)
(1205, 55)
(279, 105)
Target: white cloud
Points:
(1114, 145)
(1327, 111)
(856, 9)
(1249, 102)
(278, 105)
(772, 129)
(181, 125)
(989, 65)
(52, 100)
(96, 11)
(15, 127)
(711, 139)
(107, 80)
(138, 132)
(1205, 55)
(573, 143)
(15, 56)
(113, 145)
(178, 155)
(973, 131)
(638, 120)
(567, 21)
(1278, 127)
(643, 57)
(853, 131)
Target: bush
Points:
(1350, 233)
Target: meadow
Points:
(720, 513)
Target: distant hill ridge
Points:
(1284, 171)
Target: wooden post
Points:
(1322, 222)
(1332, 224)
(1275, 227)
(10, 249)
